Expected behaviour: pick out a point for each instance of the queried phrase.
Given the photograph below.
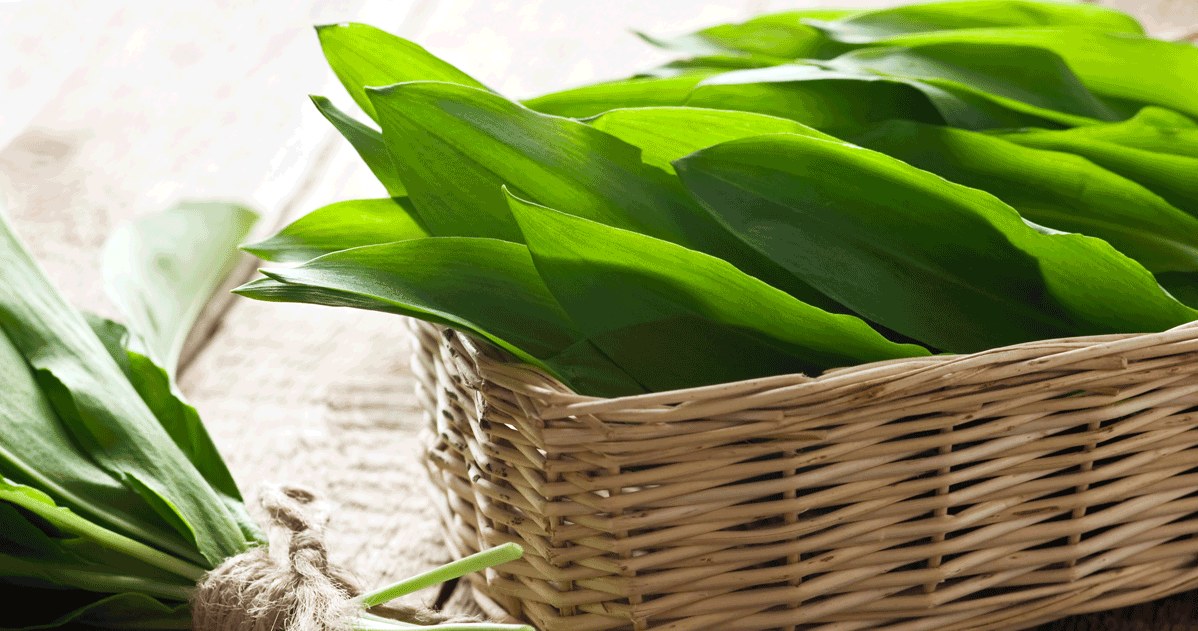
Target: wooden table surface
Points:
(114, 109)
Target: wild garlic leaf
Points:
(362, 55)
(635, 92)
(1052, 188)
(636, 296)
(871, 26)
(1023, 78)
(1148, 71)
(833, 98)
(485, 287)
(948, 265)
(180, 420)
(780, 35)
(665, 134)
(101, 410)
(162, 268)
(707, 65)
(340, 226)
(1168, 174)
(37, 450)
(456, 147)
(367, 141)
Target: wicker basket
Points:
(988, 491)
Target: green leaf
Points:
(341, 226)
(1059, 190)
(948, 265)
(1113, 65)
(100, 409)
(485, 287)
(838, 98)
(686, 305)
(872, 26)
(362, 55)
(635, 92)
(780, 35)
(161, 269)
(1152, 129)
(180, 420)
(665, 134)
(455, 147)
(35, 449)
(1170, 175)
(367, 141)
(1023, 78)
(706, 65)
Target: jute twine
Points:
(296, 591)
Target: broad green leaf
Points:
(835, 99)
(780, 35)
(362, 55)
(665, 134)
(367, 141)
(1059, 190)
(871, 26)
(637, 297)
(161, 269)
(1151, 129)
(35, 449)
(948, 265)
(180, 420)
(635, 92)
(1147, 71)
(101, 410)
(1170, 175)
(455, 147)
(340, 226)
(485, 287)
(1023, 78)
(706, 65)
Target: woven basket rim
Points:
(559, 401)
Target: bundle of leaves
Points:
(806, 190)
(114, 500)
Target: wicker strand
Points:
(254, 591)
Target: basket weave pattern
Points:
(988, 491)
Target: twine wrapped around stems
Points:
(296, 591)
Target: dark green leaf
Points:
(1115, 65)
(835, 98)
(640, 298)
(1023, 78)
(362, 55)
(1059, 190)
(455, 147)
(341, 226)
(1170, 175)
(485, 287)
(942, 263)
(367, 141)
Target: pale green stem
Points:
(456, 569)
(70, 522)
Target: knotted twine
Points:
(265, 589)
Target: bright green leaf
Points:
(942, 263)
(367, 141)
(340, 226)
